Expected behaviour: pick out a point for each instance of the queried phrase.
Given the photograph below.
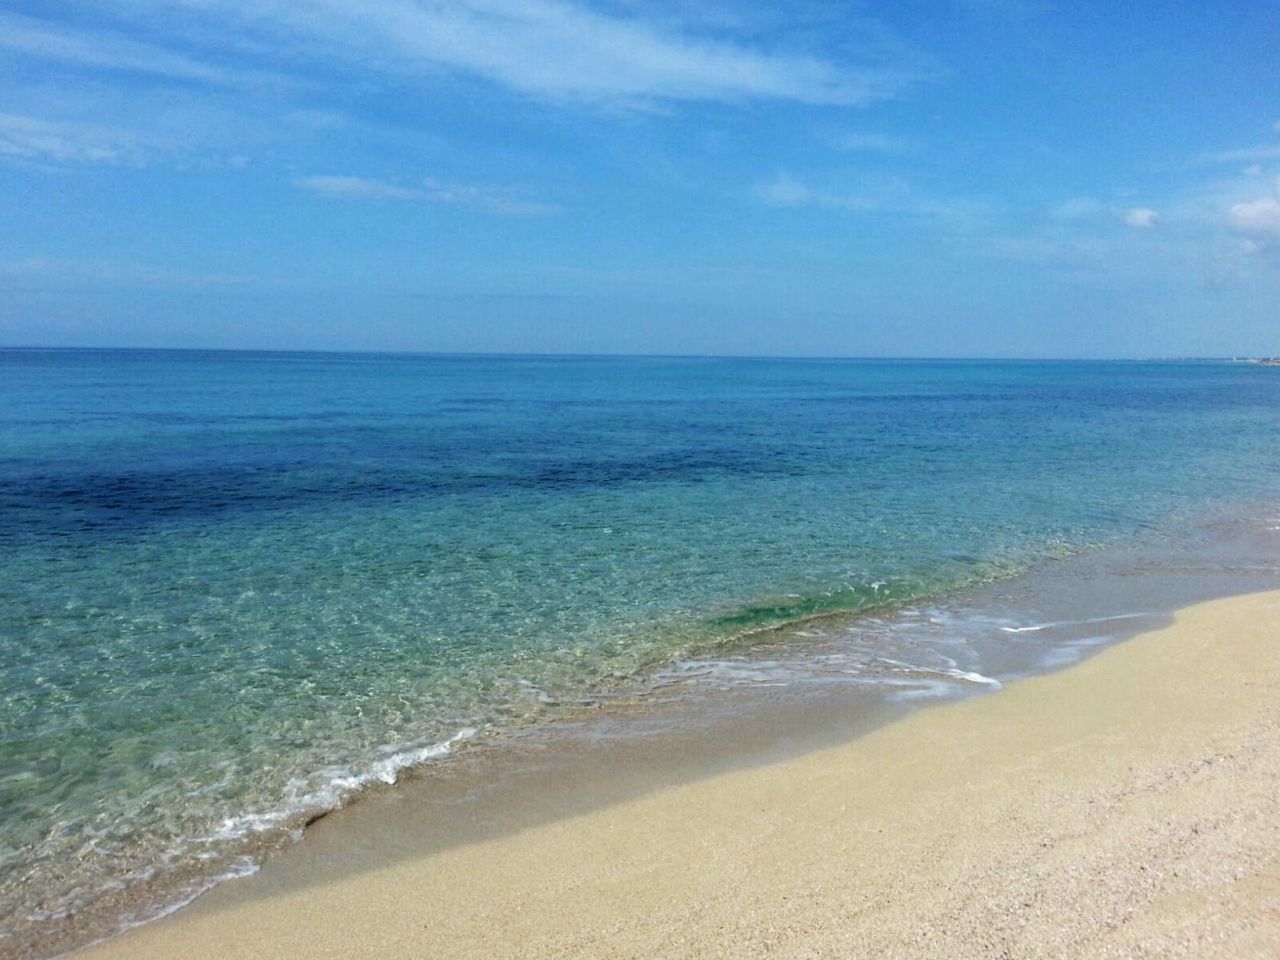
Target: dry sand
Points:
(1127, 807)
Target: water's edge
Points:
(767, 694)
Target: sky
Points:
(996, 178)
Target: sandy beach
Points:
(1128, 806)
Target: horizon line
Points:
(508, 354)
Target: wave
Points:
(338, 787)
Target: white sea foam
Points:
(725, 672)
(952, 672)
(338, 785)
(1073, 623)
(919, 689)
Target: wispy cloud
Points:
(488, 198)
(1239, 215)
(1253, 154)
(63, 272)
(868, 194)
(1087, 210)
(871, 143)
(356, 188)
(553, 49)
(34, 139)
(178, 134)
(1140, 218)
(784, 190)
(1222, 233)
(29, 37)
(1077, 208)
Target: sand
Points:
(1126, 807)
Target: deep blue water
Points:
(235, 586)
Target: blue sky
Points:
(949, 178)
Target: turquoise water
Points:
(236, 587)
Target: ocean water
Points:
(237, 587)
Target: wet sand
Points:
(1128, 806)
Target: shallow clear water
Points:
(234, 586)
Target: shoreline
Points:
(1131, 772)
(694, 727)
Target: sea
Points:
(239, 590)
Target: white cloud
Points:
(356, 188)
(1259, 221)
(1077, 208)
(1258, 216)
(491, 199)
(1141, 218)
(62, 272)
(487, 198)
(1218, 231)
(1243, 155)
(871, 143)
(783, 191)
(30, 37)
(188, 81)
(882, 193)
(56, 125)
(32, 138)
(552, 49)
(1081, 210)
(870, 195)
